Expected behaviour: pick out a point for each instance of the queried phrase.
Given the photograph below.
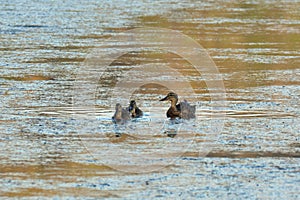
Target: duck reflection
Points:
(171, 127)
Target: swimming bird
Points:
(182, 110)
(134, 110)
(121, 115)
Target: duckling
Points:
(134, 110)
(121, 115)
(182, 110)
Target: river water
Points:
(56, 143)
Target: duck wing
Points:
(178, 107)
(187, 111)
(138, 112)
(125, 114)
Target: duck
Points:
(135, 111)
(181, 110)
(121, 114)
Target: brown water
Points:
(248, 148)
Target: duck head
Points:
(118, 107)
(171, 97)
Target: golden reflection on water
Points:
(171, 60)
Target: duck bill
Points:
(164, 99)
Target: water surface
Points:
(44, 153)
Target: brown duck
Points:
(121, 115)
(182, 110)
(134, 110)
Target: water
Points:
(49, 148)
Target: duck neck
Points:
(133, 111)
(173, 103)
(118, 114)
(133, 108)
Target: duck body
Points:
(135, 111)
(121, 115)
(181, 110)
(174, 111)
